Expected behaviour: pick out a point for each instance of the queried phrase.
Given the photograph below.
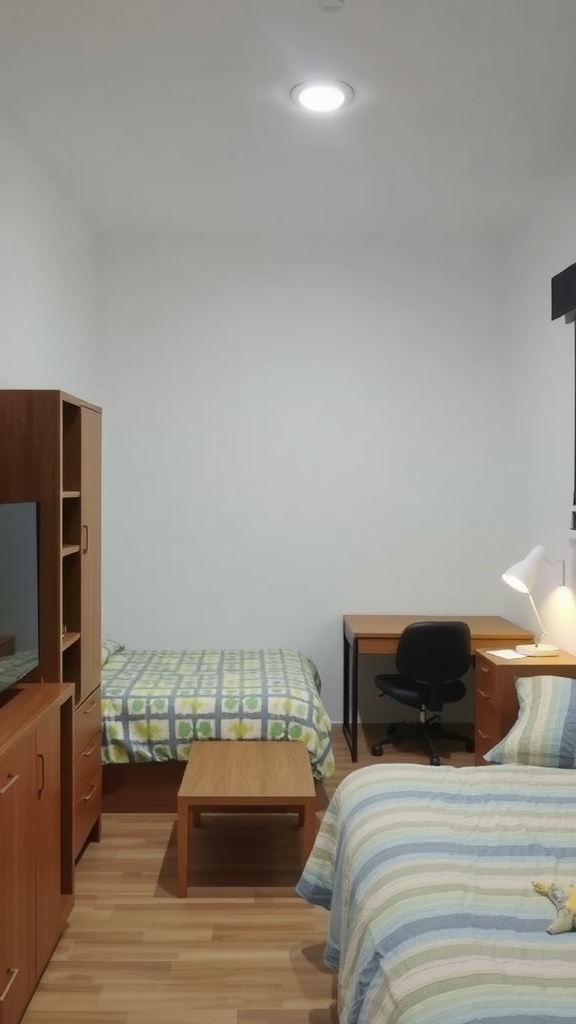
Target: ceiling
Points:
(175, 116)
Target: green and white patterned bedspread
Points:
(155, 703)
(427, 873)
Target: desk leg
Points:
(350, 698)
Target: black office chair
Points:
(430, 659)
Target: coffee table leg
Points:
(309, 831)
(182, 830)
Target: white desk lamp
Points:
(522, 577)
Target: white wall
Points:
(291, 434)
(540, 366)
(47, 282)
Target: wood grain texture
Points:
(242, 949)
(241, 772)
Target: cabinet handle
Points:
(42, 776)
(482, 694)
(11, 780)
(90, 708)
(484, 668)
(89, 795)
(85, 545)
(12, 971)
(88, 753)
(483, 735)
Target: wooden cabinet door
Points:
(48, 824)
(90, 490)
(17, 881)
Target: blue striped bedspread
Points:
(156, 703)
(427, 873)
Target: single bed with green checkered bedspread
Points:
(156, 703)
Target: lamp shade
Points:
(522, 575)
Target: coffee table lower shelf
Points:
(238, 775)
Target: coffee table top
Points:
(250, 770)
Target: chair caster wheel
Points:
(377, 751)
(435, 760)
(470, 747)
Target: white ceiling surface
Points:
(175, 116)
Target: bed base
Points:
(141, 788)
(152, 788)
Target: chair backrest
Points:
(434, 653)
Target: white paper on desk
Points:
(507, 654)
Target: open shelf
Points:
(70, 494)
(69, 549)
(68, 639)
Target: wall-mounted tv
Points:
(19, 632)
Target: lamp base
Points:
(538, 650)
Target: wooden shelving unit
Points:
(50, 452)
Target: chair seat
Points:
(414, 694)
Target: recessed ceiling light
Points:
(322, 97)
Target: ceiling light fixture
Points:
(322, 97)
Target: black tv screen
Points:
(19, 634)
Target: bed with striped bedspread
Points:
(427, 873)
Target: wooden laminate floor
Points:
(241, 949)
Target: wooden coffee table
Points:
(241, 775)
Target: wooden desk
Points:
(379, 634)
(496, 707)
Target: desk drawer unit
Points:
(496, 701)
(487, 710)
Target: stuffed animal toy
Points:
(563, 897)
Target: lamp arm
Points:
(558, 561)
(538, 619)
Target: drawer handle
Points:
(43, 774)
(11, 780)
(486, 696)
(88, 753)
(90, 794)
(483, 735)
(484, 668)
(12, 971)
(89, 709)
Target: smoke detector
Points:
(331, 5)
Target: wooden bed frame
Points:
(141, 788)
(152, 788)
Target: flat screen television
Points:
(19, 629)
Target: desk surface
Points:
(392, 626)
(484, 628)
